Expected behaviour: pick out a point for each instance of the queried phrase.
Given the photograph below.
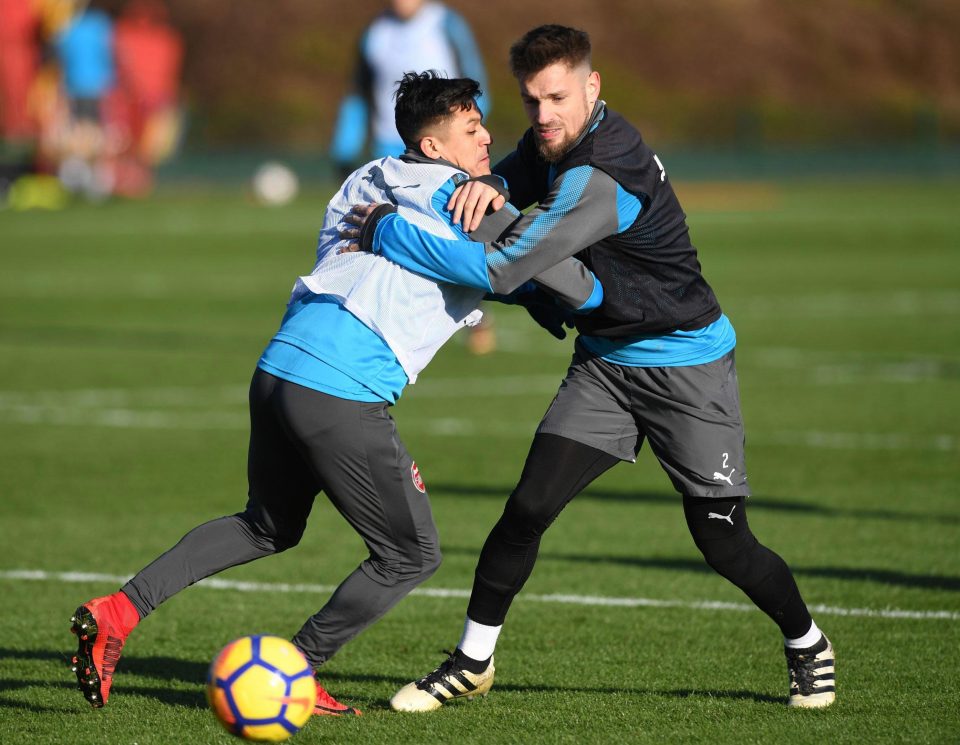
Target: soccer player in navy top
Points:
(654, 362)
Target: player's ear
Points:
(430, 146)
(593, 87)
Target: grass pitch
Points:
(128, 333)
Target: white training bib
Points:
(413, 314)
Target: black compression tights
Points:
(720, 530)
(556, 470)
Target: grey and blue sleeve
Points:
(584, 206)
(569, 282)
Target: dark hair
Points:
(546, 45)
(427, 98)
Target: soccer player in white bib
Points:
(407, 35)
(357, 329)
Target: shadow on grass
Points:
(193, 673)
(755, 503)
(882, 576)
(165, 668)
(734, 695)
(345, 677)
(74, 703)
(72, 700)
(161, 668)
(681, 693)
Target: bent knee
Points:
(285, 541)
(269, 533)
(431, 563)
(411, 568)
(523, 520)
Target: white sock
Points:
(807, 640)
(478, 640)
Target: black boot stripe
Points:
(464, 681)
(437, 695)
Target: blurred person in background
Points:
(411, 35)
(85, 52)
(19, 63)
(48, 101)
(32, 94)
(149, 57)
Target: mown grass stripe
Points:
(214, 583)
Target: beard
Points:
(551, 152)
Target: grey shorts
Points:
(303, 442)
(690, 415)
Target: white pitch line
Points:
(214, 583)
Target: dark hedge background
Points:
(710, 72)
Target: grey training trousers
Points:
(303, 442)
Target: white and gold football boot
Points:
(449, 681)
(812, 675)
